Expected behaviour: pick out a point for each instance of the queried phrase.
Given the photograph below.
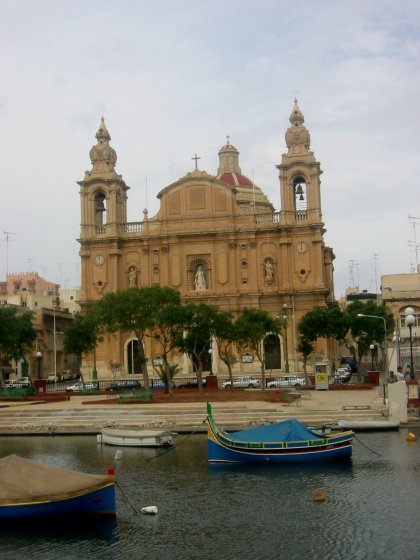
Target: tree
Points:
(166, 325)
(198, 327)
(252, 327)
(365, 330)
(226, 336)
(17, 333)
(82, 335)
(325, 322)
(305, 348)
(127, 311)
(356, 332)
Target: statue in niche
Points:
(268, 272)
(132, 277)
(200, 278)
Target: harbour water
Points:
(242, 512)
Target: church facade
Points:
(216, 239)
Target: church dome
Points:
(229, 171)
(235, 179)
(248, 195)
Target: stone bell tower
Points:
(103, 199)
(299, 176)
(103, 192)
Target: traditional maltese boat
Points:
(281, 442)
(136, 438)
(32, 490)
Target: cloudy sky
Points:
(174, 77)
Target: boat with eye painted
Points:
(33, 490)
(289, 441)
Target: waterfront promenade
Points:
(88, 414)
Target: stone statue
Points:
(132, 277)
(200, 281)
(269, 271)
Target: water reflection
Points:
(234, 511)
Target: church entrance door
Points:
(272, 352)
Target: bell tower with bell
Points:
(299, 176)
(103, 204)
(103, 193)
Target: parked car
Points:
(243, 381)
(124, 385)
(343, 374)
(18, 383)
(191, 383)
(287, 381)
(159, 384)
(86, 386)
(65, 375)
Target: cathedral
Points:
(216, 239)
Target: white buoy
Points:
(151, 510)
(118, 455)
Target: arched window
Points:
(100, 209)
(300, 192)
(272, 352)
(135, 356)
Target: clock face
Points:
(99, 259)
(301, 247)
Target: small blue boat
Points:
(281, 442)
(32, 490)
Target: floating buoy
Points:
(411, 437)
(319, 496)
(118, 455)
(151, 510)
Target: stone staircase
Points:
(40, 419)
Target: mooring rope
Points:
(125, 497)
(177, 444)
(367, 447)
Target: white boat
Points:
(368, 425)
(136, 438)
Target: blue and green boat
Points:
(289, 441)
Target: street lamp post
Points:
(372, 348)
(211, 360)
(385, 348)
(38, 364)
(410, 320)
(94, 371)
(286, 350)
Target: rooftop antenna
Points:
(414, 223)
(8, 234)
(59, 264)
(353, 265)
(375, 260)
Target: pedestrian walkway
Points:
(75, 416)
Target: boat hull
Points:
(100, 502)
(265, 444)
(368, 425)
(222, 453)
(136, 438)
